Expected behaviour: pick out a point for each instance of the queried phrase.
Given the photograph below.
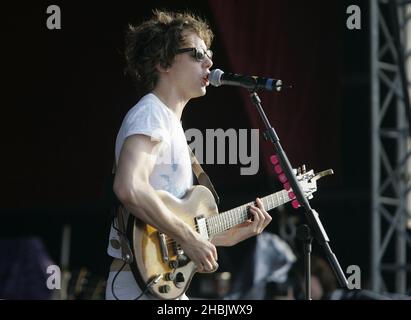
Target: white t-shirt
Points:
(172, 171)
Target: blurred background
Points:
(64, 95)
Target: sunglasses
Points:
(198, 54)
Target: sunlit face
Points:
(190, 69)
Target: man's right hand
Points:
(202, 252)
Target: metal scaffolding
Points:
(390, 40)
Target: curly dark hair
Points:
(156, 41)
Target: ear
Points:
(161, 69)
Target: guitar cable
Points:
(126, 259)
(129, 259)
(114, 279)
(148, 286)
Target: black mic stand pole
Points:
(303, 234)
(313, 219)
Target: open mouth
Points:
(205, 80)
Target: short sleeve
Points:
(148, 119)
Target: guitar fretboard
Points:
(228, 219)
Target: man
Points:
(170, 58)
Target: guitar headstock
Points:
(306, 179)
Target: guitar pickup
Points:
(163, 246)
(202, 227)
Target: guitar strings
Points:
(170, 241)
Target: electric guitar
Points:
(160, 264)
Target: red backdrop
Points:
(295, 42)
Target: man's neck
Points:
(172, 100)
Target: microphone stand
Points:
(303, 234)
(314, 227)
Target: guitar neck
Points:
(231, 218)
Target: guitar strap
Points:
(202, 177)
(123, 216)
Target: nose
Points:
(208, 62)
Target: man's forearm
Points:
(146, 205)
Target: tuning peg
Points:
(287, 186)
(274, 159)
(304, 170)
(291, 195)
(278, 169)
(299, 171)
(295, 204)
(282, 178)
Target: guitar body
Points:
(155, 254)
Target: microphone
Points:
(217, 78)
